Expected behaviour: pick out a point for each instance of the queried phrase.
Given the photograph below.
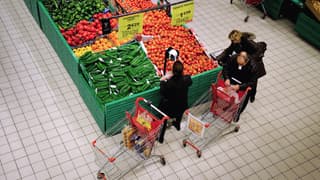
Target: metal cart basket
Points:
(211, 115)
(130, 142)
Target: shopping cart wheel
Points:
(231, 1)
(199, 154)
(236, 129)
(264, 16)
(101, 175)
(162, 160)
(184, 143)
(246, 19)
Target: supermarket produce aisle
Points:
(46, 130)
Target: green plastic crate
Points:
(28, 4)
(88, 96)
(59, 44)
(32, 5)
(109, 114)
(273, 8)
(201, 83)
(115, 111)
(299, 3)
(308, 29)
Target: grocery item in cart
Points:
(118, 154)
(127, 134)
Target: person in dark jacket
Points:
(258, 65)
(240, 74)
(240, 41)
(243, 41)
(174, 95)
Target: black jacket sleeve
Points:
(249, 46)
(163, 88)
(252, 80)
(251, 83)
(226, 68)
(224, 56)
(188, 80)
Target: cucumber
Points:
(85, 55)
(125, 90)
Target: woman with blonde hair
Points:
(240, 41)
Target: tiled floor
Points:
(46, 129)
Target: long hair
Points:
(177, 68)
(235, 35)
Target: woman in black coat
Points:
(174, 95)
(240, 41)
(243, 41)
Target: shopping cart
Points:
(248, 3)
(212, 115)
(130, 142)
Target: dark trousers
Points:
(251, 94)
(175, 123)
(242, 107)
(253, 91)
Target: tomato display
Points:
(135, 5)
(192, 54)
(85, 31)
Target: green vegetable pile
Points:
(66, 13)
(119, 72)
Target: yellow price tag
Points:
(144, 122)
(182, 13)
(130, 25)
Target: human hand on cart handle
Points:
(235, 87)
(227, 82)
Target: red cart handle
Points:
(139, 99)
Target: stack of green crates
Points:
(308, 28)
(32, 5)
(273, 8)
(59, 44)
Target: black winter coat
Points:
(174, 95)
(245, 77)
(245, 44)
(257, 59)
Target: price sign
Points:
(195, 125)
(182, 13)
(106, 27)
(130, 25)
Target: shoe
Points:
(183, 125)
(169, 123)
(177, 126)
(252, 98)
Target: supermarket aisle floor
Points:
(46, 129)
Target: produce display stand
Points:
(59, 44)
(273, 8)
(32, 5)
(114, 110)
(106, 115)
(308, 28)
(89, 98)
(28, 4)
